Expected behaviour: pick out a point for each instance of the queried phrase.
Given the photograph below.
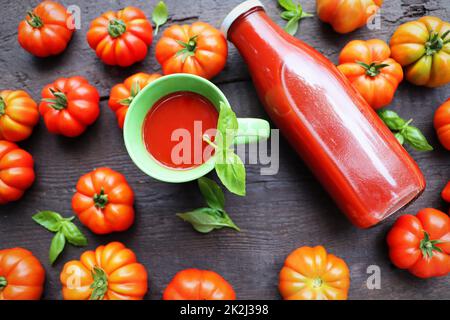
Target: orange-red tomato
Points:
(69, 106)
(198, 49)
(16, 172)
(370, 70)
(347, 15)
(111, 272)
(121, 38)
(442, 124)
(46, 30)
(122, 94)
(194, 284)
(446, 192)
(104, 201)
(421, 243)
(423, 47)
(313, 274)
(21, 275)
(18, 115)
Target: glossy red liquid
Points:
(195, 115)
(349, 149)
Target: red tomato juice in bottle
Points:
(338, 135)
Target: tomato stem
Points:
(101, 200)
(373, 69)
(435, 43)
(59, 102)
(189, 48)
(3, 283)
(116, 28)
(428, 246)
(317, 283)
(2, 107)
(135, 89)
(34, 21)
(100, 284)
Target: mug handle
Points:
(252, 130)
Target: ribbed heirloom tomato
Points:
(16, 172)
(18, 115)
(69, 106)
(194, 284)
(313, 274)
(421, 243)
(370, 70)
(442, 124)
(121, 38)
(198, 49)
(347, 15)
(110, 272)
(21, 275)
(104, 201)
(46, 30)
(122, 94)
(423, 47)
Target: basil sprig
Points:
(229, 167)
(65, 230)
(160, 15)
(214, 217)
(404, 132)
(293, 14)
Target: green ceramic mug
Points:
(152, 93)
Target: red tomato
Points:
(18, 115)
(121, 38)
(21, 275)
(47, 29)
(421, 243)
(122, 94)
(193, 284)
(446, 192)
(198, 49)
(104, 201)
(69, 105)
(16, 172)
(442, 124)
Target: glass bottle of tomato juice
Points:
(337, 134)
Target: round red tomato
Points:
(21, 275)
(421, 243)
(104, 201)
(69, 105)
(122, 94)
(121, 38)
(18, 115)
(16, 172)
(46, 30)
(442, 124)
(198, 49)
(194, 284)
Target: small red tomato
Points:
(193, 284)
(442, 124)
(421, 244)
(104, 201)
(121, 38)
(446, 192)
(47, 29)
(69, 105)
(18, 115)
(16, 172)
(122, 94)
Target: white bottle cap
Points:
(237, 12)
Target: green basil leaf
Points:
(287, 4)
(292, 26)
(205, 220)
(227, 126)
(392, 119)
(57, 246)
(212, 193)
(73, 234)
(49, 220)
(160, 15)
(231, 172)
(400, 138)
(288, 15)
(416, 139)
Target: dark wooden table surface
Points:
(279, 214)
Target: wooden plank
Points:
(279, 214)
